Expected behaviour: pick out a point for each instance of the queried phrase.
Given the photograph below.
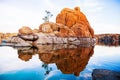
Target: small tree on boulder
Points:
(48, 15)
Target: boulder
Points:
(74, 18)
(35, 31)
(103, 74)
(25, 30)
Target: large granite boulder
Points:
(75, 20)
(27, 34)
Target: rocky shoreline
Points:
(41, 38)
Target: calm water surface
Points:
(54, 62)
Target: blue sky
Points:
(103, 15)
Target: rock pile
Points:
(71, 25)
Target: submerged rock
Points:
(103, 74)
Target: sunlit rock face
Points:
(25, 30)
(48, 27)
(59, 30)
(75, 20)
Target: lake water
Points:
(57, 62)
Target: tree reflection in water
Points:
(47, 68)
(70, 59)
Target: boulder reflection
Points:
(70, 59)
(26, 53)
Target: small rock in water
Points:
(102, 74)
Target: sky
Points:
(103, 15)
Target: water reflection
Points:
(26, 53)
(70, 59)
(47, 68)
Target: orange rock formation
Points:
(75, 20)
(58, 29)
